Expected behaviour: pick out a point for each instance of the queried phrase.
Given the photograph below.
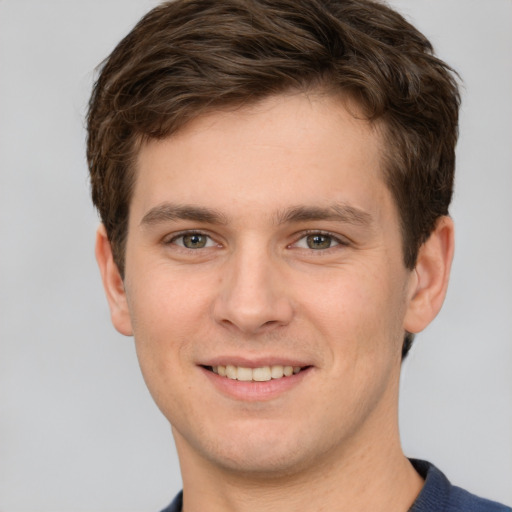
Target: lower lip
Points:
(252, 391)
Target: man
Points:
(273, 178)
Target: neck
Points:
(376, 477)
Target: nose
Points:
(252, 297)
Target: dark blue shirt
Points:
(437, 495)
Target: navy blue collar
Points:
(437, 495)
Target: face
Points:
(263, 244)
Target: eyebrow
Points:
(169, 212)
(340, 212)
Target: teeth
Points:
(262, 374)
(231, 372)
(244, 374)
(276, 372)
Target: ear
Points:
(430, 277)
(112, 283)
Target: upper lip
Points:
(254, 362)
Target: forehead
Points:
(288, 150)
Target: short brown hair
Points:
(189, 57)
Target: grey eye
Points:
(319, 241)
(193, 241)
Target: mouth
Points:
(260, 374)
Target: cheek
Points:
(163, 298)
(163, 326)
(360, 312)
(168, 312)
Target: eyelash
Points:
(176, 236)
(311, 232)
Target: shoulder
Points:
(463, 500)
(439, 495)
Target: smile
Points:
(261, 374)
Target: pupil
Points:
(319, 241)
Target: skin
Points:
(251, 182)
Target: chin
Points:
(261, 452)
(260, 462)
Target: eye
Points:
(317, 241)
(193, 241)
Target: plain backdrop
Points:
(78, 430)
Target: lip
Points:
(253, 362)
(255, 391)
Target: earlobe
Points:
(431, 275)
(112, 283)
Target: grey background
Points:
(78, 430)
